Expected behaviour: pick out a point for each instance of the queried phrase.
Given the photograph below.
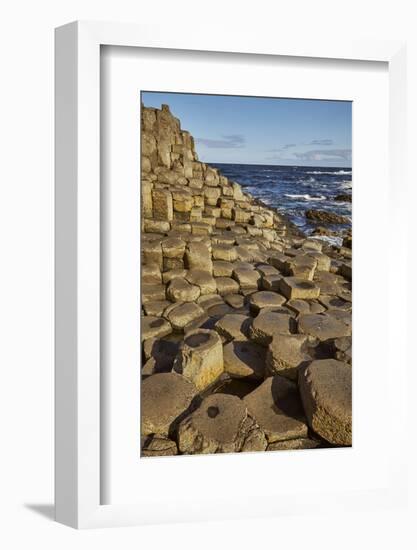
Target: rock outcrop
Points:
(246, 324)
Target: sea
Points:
(292, 190)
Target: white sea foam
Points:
(337, 173)
(306, 197)
(335, 241)
(346, 185)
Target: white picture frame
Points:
(78, 404)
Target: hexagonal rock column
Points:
(275, 405)
(198, 256)
(322, 326)
(220, 425)
(303, 266)
(293, 287)
(233, 326)
(268, 323)
(154, 327)
(265, 299)
(180, 314)
(247, 278)
(203, 279)
(286, 353)
(164, 397)
(162, 204)
(326, 392)
(180, 290)
(244, 360)
(200, 358)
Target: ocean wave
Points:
(337, 173)
(306, 197)
(346, 185)
(335, 241)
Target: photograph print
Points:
(246, 270)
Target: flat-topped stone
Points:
(244, 360)
(180, 314)
(268, 323)
(180, 290)
(335, 302)
(220, 425)
(173, 274)
(151, 273)
(322, 326)
(233, 326)
(226, 285)
(265, 299)
(155, 308)
(326, 392)
(275, 405)
(271, 282)
(208, 300)
(203, 279)
(286, 353)
(222, 268)
(200, 358)
(163, 352)
(234, 300)
(224, 252)
(154, 327)
(198, 256)
(152, 292)
(165, 397)
(294, 287)
(302, 266)
(173, 247)
(247, 278)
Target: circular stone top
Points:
(219, 417)
(164, 397)
(201, 339)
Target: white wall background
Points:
(26, 272)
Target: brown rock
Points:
(265, 299)
(268, 323)
(275, 405)
(180, 314)
(180, 290)
(322, 326)
(326, 392)
(200, 358)
(293, 288)
(155, 445)
(233, 327)
(286, 353)
(164, 397)
(325, 217)
(154, 327)
(220, 425)
(244, 360)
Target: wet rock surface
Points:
(246, 323)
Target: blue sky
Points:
(251, 130)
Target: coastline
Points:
(246, 321)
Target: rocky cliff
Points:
(246, 329)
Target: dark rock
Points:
(323, 216)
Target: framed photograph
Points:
(225, 326)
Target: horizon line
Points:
(283, 165)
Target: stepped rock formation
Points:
(232, 295)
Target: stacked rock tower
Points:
(246, 324)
